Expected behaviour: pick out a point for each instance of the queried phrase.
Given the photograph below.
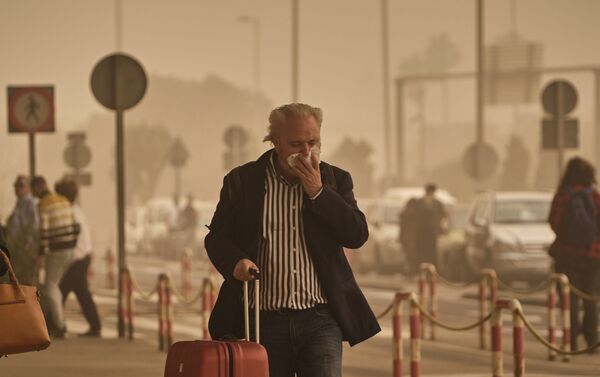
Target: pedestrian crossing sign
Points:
(30, 109)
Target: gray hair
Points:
(280, 115)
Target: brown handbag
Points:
(22, 324)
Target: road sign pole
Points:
(32, 154)
(177, 183)
(120, 158)
(560, 123)
(480, 90)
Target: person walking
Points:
(430, 219)
(58, 237)
(22, 233)
(75, 278)
(290, 215)
(575, 219)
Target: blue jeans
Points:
(305, 343)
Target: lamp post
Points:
(255, 22)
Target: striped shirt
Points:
(288, 276)
(58, 229)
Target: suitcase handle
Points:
(256, 274)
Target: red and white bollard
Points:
(565, 293)
(169, 313)
(552, 316)
(207, 305)
(518, 338)
(126, 302)
(415, 335)
(488, 279)
(427, 275)
(186, 273)
(562, 281)
(415, 338)
(109, 257)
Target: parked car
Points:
(452, 245)
(161, 235)
(383, 215)
(509, 232)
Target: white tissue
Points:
(292, 158)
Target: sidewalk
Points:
(76, 357)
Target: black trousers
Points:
(584, 276)
(75, 280)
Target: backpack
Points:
(581, 226)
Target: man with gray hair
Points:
(289, 215)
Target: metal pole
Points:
(177, 183)
(400, 83)
(560, 119)
(32, 154)
(385, 59)
(120, 159)
(480, 90)
(256, 54)
(118, 26)
(295, 22)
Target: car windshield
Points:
(522, 211)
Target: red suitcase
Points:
(206, 358)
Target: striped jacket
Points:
(58, 229)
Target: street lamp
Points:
(255, 22)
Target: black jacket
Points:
(3, 267)
(332, 221)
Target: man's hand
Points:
(309, 174)
(241, 271)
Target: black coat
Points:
(3, 266)
(331, 222)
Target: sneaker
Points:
(91, 334)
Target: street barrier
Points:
(488, 278)
(416, 313)
(518, 337)
(126, 301)
(165, 313)
(415, 334)
(561, 280)
(165, 308)
(428, 276)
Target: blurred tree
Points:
(515, 169)
(440, 56)
(146, 150)
(355, 156)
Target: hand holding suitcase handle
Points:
(256, 274)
